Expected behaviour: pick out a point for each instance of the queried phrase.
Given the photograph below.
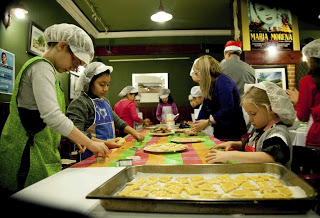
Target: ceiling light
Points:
(161, 15)
(19, 10)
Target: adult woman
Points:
(31, 136)
(221, 106)
(126, 108)
(307, 101)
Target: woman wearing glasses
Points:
(31, 136)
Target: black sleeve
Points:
(277, 148)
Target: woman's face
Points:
(266, 15)
(165, 100)
(196, 76)
(101, 85)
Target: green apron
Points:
(44, 154)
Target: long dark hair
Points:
(107, 72)
(314, 65)
(170, 100)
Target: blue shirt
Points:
(225, 108)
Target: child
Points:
(91, 111)
(166, 106)
(126, 108)
(270, 112)
(137, 103)
(32, 133)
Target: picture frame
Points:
(36, 43)
(149, 85)
(74, 76)
(274, 73)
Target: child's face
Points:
(137, 102)
(165, 100)
(258, 116)
(193, 103)
(198, 100)
(101, 85)
(65, 60)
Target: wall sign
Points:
(7, 75)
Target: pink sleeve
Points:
(304, 103)
(133, 112)
(159, 112)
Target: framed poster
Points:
(36, 44)
(276, 74)
(149, 85)
(264, 26)
(7, 74)
(74, 76)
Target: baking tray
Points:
(110, 201)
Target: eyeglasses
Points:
(76, 62)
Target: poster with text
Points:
(6, 72)
(269, 26)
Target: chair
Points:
(306, 164)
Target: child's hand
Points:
(113, 143)
(225, 145)
(216, 156)
(139, 137)
(82, 148)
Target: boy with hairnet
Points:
(32, 133)
(91, 111)
(126, 108)
(270, 112)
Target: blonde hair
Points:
(257, 97)
(210, 70)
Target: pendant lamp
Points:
(161, 16)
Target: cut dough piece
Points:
(205, 194)
(190, 190)
(196, 178)
(165, 179)
(284, 191)
(248, 185)
(207, 187)
(244, 193)
(213, 181)
(228, 186)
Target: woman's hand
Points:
(293, 95)
(216, 156)
(98, 147)
(199, 125)
(146, 122)
(112, 143)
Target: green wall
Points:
(15, 38)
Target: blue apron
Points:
(103, 125)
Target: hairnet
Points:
(195, 61)
(196, 91)
(164, 93)
(126, 90)
(280, 101)
(190, 97)
(138, 97)
(312, 49)
(86, 76)
(78, 40)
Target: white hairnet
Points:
(86, 76)
(312, 49)
(78, 40)
(138, 97)
(190, 97)
(126, 90)
(195, 61)
(280, 101)
(196, 91)
(164, 93)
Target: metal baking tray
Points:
(110, 201)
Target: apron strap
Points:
(32, 123)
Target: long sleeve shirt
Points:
(225, 108)
(37, 91)
(309, 104)
(160, 107)
(126, 110)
